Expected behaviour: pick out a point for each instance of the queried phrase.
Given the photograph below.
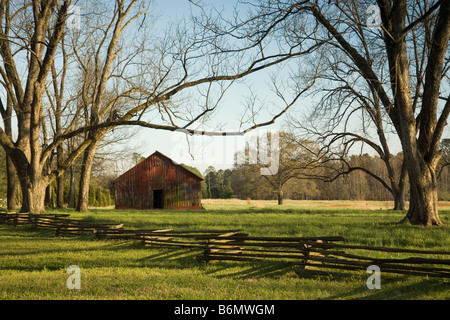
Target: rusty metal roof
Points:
(175, 164)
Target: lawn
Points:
(34, 261)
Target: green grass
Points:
(33, 262)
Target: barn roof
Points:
(179, 166)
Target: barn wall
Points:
(134, 189)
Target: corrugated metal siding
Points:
(134, 189)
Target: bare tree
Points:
(296, 161)
(6, 113)
(35, 43)
(141, 85)
(348, 118)
(99, 58)
(338, 145)
(402, 63)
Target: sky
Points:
(202, 152)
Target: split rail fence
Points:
(321, 255)
(57, 222)
(317, 255)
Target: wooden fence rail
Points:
(17, 219)
(192, 239)
(331, 256)
(319, 255)
(57, 222)
(238, 248)
(75, 227)
(153, 236)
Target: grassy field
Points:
(34, 261)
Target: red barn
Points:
(158, 183)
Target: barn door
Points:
(158, 199)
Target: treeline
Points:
(101, 191)
(246, 182)
(305, 171)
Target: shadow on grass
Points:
(248, 270)
(392, 289)
(169, 254)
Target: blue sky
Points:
(219, 151)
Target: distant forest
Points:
(306, 172)
(245, 182)
(293, 180)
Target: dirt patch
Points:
(340, 206)
(443, 204)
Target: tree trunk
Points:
(10, 169)
(33, 196)
(399, 200)
(85, 177)
(72, 203)
(32, 183)
(60, 192)
(280, 197)
(423, 194)
(399, 191)
(49, 196)
(423, 207)
(60, 180)
(401, 188)
(11, 185)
